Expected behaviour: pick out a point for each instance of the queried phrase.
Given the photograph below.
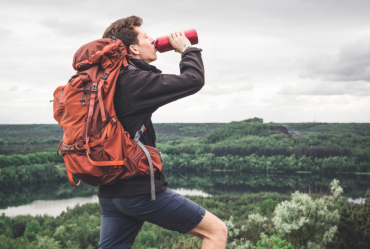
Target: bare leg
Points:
(212, 231)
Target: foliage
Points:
(303, 221)
(182, 244)
(353, 228)
(248, 145)
(32, 229)
(25, 139)
(268, 206)
(272, 242)
(237, 130)
(29, 159)
(28, 174)
(79, 227)
(362, 129)
(146, 239)
(208, 161)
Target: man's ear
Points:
(133, 50)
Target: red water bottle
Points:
(162, 44)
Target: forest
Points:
(248, 145)
(255, 221)
(256, 156)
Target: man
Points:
(126, 204)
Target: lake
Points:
(53, 198)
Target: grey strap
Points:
(139, 133)
(152, 187)
(137, 137)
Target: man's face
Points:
(145, 50)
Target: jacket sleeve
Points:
(148, 91)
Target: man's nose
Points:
(151, 40)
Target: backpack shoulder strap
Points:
(126, 69)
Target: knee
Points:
(220, 232)
(223, 232)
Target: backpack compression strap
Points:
(137, 137)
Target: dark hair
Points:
(123, 29)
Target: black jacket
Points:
(139, 93)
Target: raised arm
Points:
(149, 91)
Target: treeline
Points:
(255, 163)
(248, 145)
(31, 174)
(172, 131)
(362, 129)
(29, 159)
(24, 139)
(247, 138)
(253, 145)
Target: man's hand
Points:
(178, 40)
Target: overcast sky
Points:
(283, 61)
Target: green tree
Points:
(147, 239)
(268, 206)
(272, 242)
(353, 228)
(32, 229)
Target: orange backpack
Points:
(95, 147)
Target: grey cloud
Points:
(13, 89)
(351, 63)
(217, 90)
(323, 88)
(72, 27)
(5, 32)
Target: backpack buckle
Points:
(104, 76)
(119, 52)
(160, 155)
(113, 121)
(94, 88)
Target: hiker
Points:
(140, 91)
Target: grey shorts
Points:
(123, 217)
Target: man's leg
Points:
(118, 230)
(212, 231)
(173, 212)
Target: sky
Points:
(283, 61)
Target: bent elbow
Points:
(198, 82)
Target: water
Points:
(53, 198)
